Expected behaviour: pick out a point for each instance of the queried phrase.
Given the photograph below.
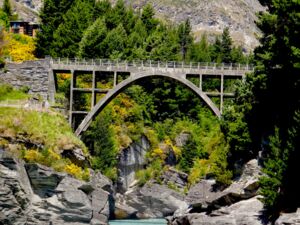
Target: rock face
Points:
(246, 212)
(131, 159)
(174, 177)
(289, 218)
(154, 200)
(33, 194)
(211, 16)
(204, 195)
(237, 204)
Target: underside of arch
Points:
(129, 81)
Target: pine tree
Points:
(116, 16)
(216, 51)
(148, 18)
(115, 43)
(51, 16)
(199, 52)
(7, 8)
(104, 151)
(226, 46)
(91, 44)
(69, 33)
(185, 37)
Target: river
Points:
(139, 222)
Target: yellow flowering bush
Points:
(19, 47)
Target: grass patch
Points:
(51, 131)
(7, 92)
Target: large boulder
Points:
(154, 200)
(289, 218)
(175, 177)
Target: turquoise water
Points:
(139, 222)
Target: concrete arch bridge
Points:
(136, 70)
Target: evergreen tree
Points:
(200, 51)
(116, 15)
(91, 44)
(226, 46)
(115, 43)
(7, 8)
(237, 55)
(185, 37)
(51, 16)
(148, 18)
(70, 31)
(104, 147)
(102, 8)
(216, 51)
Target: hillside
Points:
(210, 16)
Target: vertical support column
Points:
(200, 82)
(115, 78)
(71, 97)
(93, 90)
(222, 93)
(51, 86)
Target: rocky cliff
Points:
(212, 16)
(34, 194)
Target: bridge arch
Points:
(128, 82)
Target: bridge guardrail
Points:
(152, 64)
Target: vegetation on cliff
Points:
(37, 136)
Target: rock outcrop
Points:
(204, 195)
(237, 204)
(289, 218)
(211, 16)
(33, 194)
(131, 160)
(248, 212)
(153, 200)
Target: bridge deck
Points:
(151, 67)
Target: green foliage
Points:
(226, 46)
(91, 45)
(185, 37)
(190, 152)
(153, 171)
(268, 101)
(274, 167)
(104, 149)
(7, 92)
(4, 20)
(148, 19)
(70, 32)
(7, 8)
(51, 16)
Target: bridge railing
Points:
(151, 64)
